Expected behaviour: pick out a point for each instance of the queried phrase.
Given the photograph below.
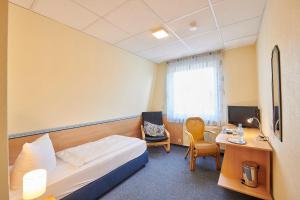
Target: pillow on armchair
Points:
(154, 130)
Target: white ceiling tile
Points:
(181, 55)
(216, 47)
(24, 3)
(158, 60)
(172, 9)
(232, 11)
(216, 1)
(205, 42)
(173, 56)
(143, 41)
(204, 21)
(106, 31)
(132, 44)
(128, 23)
(165, 58)
(101, 7)
(241, 42)
(134, 17)
(176, 56)
(66, 12)
(242, 29)
(174, 48)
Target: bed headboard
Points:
(71, 137)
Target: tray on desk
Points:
(236, 140)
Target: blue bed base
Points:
(99, 187)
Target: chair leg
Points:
(193, 164)
(218, 161)
(192, 160)
(167, 147)
(187, 153)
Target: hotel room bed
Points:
(95, 178)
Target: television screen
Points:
(240, 115)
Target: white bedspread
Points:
(115, 151)
(83, 154)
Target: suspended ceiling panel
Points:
(128, 24)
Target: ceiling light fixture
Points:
(193, 26)
(160, 33)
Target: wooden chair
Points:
(155, 118)
(198, 147)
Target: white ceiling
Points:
(128, 24)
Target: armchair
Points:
(155, 118)
(198, 146)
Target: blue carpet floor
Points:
(167, 176)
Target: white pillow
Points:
(36, 155)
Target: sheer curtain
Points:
(195, 88)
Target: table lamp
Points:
(250, 120)
(34, 184)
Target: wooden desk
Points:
(253, 150)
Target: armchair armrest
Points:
(191, 138)
(143, 132)
(210, 136)
(210, 131)
(167, 132)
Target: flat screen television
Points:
(240, 115)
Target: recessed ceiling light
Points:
(159, 34)
(193, 26)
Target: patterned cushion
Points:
(154, 130)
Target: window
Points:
(194, 88)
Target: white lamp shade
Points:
(34, 184)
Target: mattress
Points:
(67, 178)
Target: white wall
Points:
(281, 25)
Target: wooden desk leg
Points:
(218, 158)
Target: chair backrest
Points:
(153, 117)
(196, 126)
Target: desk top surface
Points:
(250, 135)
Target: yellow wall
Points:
(159, 93)
(58, 76)
(3, 130)
(240, 76)
(280, 26)
(240, 79)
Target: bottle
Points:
(240, 132)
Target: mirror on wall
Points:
(276, 93)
